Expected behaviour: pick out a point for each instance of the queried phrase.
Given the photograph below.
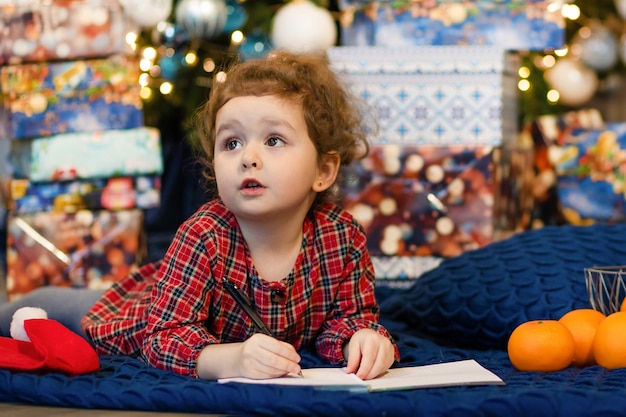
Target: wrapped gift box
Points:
(86, 249)
(94, 194)
(549, 134)
(434, 95)
(433, 201)
(591, 174)
(43, 99)
(60, 30)
(86, 155)
(510, 24)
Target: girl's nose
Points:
(250, 158)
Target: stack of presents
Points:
(80, 166)
(448, 171)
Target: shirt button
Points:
(277, 296)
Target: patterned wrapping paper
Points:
(85, 249)
(510, 24)
(550, 135)
(44, 99)
(434, 95)
(36, 31)
(94, 194)
(88, 155)
(423, 200)
(591, 174)
(496, 181)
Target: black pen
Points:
(246, 305)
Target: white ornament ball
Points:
(201, 19)
(301, 26)
(147, 13)
(575, 82)
(16, 328)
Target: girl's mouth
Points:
(251, 185)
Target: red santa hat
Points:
(38, 343)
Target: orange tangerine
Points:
(582, 323)
(609, 343)
(541, 345)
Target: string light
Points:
(523, 72)
(553, 96)
(166, 88)
(523, 85)
(548, 61)
(208, 65)
(145, 93)
(149, 53)
(131, 39)
(237, 37)
(570, 11)
(144, 80)
(191, 58)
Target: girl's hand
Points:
(258, 357)
(369, 354)
(263, 356)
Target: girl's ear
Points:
(327, 171)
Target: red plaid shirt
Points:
(168, 311)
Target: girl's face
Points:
(265, 163)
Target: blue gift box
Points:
(48, 98)
(510, 24)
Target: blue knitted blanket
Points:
(466, 308)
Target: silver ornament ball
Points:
(201, 19)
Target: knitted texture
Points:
(474, 299)
(479, 297)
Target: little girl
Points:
(275, 133)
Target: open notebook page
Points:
(465, 372)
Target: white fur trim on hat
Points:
(17, 322)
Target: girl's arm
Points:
(352, 332)
(181, 297)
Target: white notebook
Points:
(465, 372)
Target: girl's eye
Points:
(231, 145)
(275, 141)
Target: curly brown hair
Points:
(337, 121)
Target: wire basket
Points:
(606, 287)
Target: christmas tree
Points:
(197, 38)
(181, 53)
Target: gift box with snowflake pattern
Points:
(434, 95)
